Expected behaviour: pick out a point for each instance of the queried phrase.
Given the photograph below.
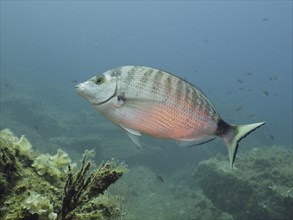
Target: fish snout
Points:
(79, 88)
(78, 85)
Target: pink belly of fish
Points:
(161, 121)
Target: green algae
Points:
(54, 166)
(38, 186)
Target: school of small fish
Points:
(149, 101)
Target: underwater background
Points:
(239, 53)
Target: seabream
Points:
(149, 101)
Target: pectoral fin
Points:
(137, 103)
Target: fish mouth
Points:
(79, 89)
(78, 86)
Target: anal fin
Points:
(193, 143)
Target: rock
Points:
(260, 186)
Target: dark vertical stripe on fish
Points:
(187, 93)
(168, 87)
(194, 97)
(179, 89)
(157, 79)
(146, 76)
(129, 78)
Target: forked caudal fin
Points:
(234, 135)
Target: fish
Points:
(269, 135)
(239, 80)
(160, 178)
(148, 101)
(272, 78)
(266, 93)
(239, 108)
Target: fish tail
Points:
(232, 135)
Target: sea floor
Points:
(158, 184)
(165, 197)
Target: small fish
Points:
(266, 93)
(74, 81)
(272, 78)
(160, 178)
(241, 88)
(143, 100)
(264, 19)
(248, 73)
(239, 108)
(207, 41)
(239, 80)
(251, 115)
(269, 135)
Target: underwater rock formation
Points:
(44, 187)
(259, 187)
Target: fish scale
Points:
(185, 110)
(145, 100)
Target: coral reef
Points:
(44, 187)
(259, 187)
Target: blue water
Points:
(238, 52)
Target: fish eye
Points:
(99, 80)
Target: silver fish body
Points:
(144, 100)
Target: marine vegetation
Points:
(41, 186)
(259, 187)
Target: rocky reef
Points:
(260, 186)
(47, 187)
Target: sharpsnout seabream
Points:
(149, 101)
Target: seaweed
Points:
(80, 188)
(31, 190)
